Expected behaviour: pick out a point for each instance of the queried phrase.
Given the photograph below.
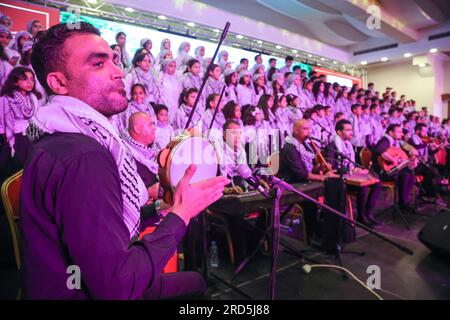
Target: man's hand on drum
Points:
(191, 199)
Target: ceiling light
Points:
(422, 65)
(191, 24)
(384, 59)
(294, 51)
(259, 42)
(216, 30)
(161, 17)
(92, 1)
(239, 36)
(407, 55)
(278, 47)
(310, 55)
(335, 62)
(364, 62)
(322, 59)
(128, 9)
(433, 50)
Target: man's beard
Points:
(102, 100)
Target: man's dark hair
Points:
(258, 55)
(338, 115)
(392, 127)
(392, 110)
(340, 124)
(296, 68)
(355, 106)
(48, 55)
(229, 122)
(272, 59)
(242, 60)
(419, 127)
(289, 58)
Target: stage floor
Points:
(405, 277)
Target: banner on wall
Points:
(21, 13)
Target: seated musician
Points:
(366, 196)
(297, 156)
(232, 162)
(77, 207)
(424, 150)
(139, 139)
(231, 154)
(404, 178)
(297, 165)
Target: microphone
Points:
(246, 173)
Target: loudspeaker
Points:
(436, 234)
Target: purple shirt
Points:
(71, 214)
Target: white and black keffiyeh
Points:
(70, 115)
(306, 155)
(142, 154)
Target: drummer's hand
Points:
(191, 199)
(264, 184)
(194, 132)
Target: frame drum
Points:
(179, 154)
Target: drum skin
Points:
(179, 154)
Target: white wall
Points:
(405, 79)
(446, 88)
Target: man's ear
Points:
(137, 128)
(57, 81)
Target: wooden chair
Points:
(11, 200)
(366, 159)
(10, 191)
(172, 264)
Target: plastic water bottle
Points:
(214, 255)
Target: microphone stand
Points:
(288, 187)
(206, 75)
(343, 157)
(216, 110)
(281, 186)
(203, 215)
